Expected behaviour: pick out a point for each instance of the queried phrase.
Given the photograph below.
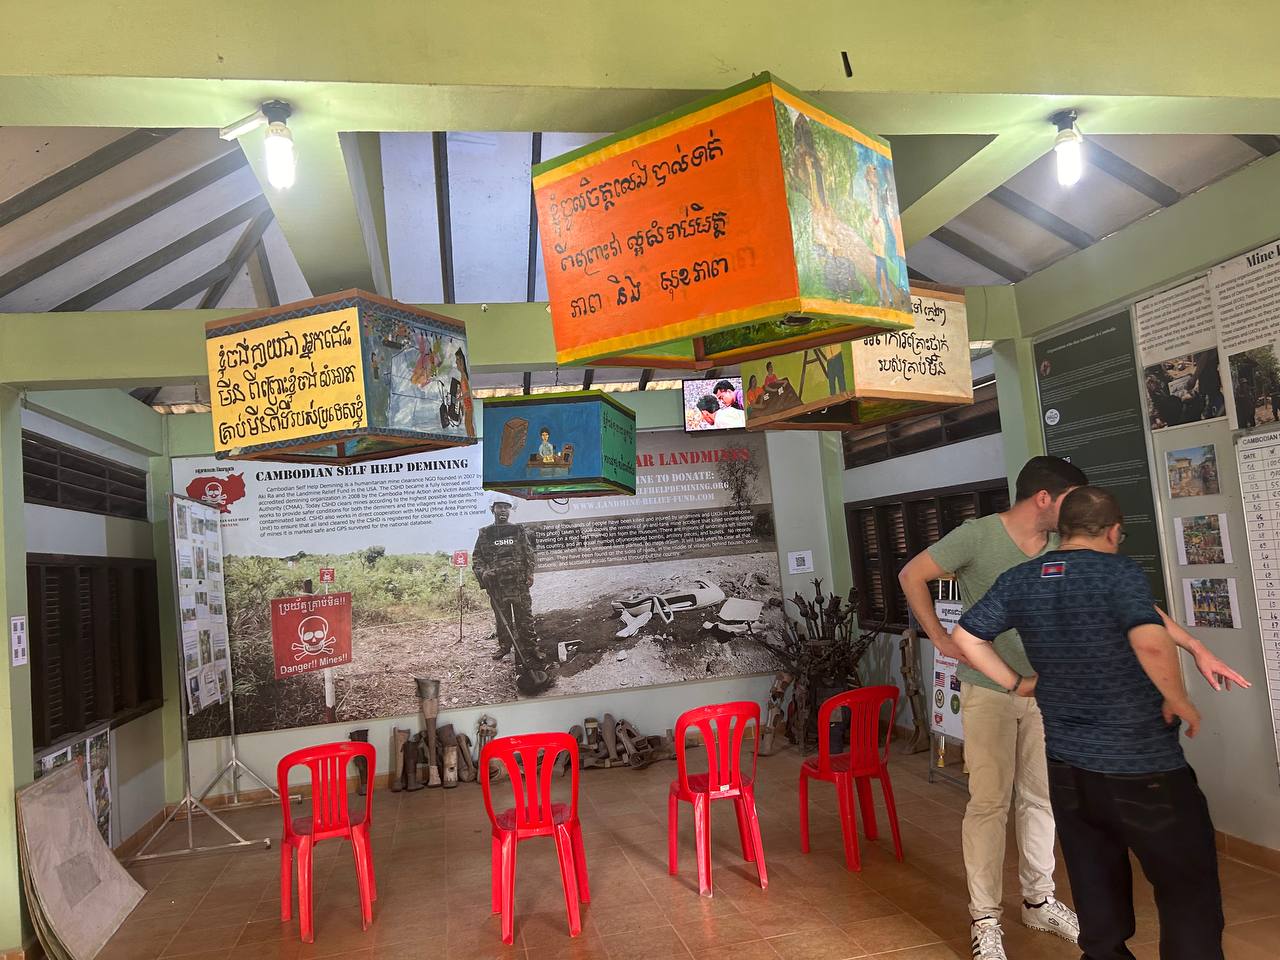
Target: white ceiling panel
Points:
(1011, 237)
(944, 265)
(1185, 162)
(489, 215)
(1099, 204)
(31, 154)
(173, 275)
(413, 229)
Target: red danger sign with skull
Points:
(220, 492)
(310, 633)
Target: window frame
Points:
(78, 477)
(987, 496)
(954, 424)
(122, 645)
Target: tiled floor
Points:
(431, 851)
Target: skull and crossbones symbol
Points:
(314, 638)
(214, 495)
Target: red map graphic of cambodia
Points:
(218, 492)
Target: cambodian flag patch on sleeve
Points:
(1054, 568)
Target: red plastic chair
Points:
(535, 815)
(866, 759)
(329, 819)
(722, 727)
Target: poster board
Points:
(1091, 415)
(944, 702)
(201, 593)
(699, 532)
(92, 754)
(1258, 461)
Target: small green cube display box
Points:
(560, 445)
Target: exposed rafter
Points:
(531, 279)
(1043, 218)
(979, 255)
(118, 223)
(1121, 169)
(189, 289)
(268, 278)
(588, 376)
(164, 256)
(1265, 143)
(528, 382)
(239, 256)
(440, 151)
(646, 375)
(914, 274)
(80, 172)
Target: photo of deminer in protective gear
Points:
(504, 562)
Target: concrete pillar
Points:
(16, 765)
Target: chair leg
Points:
(848, 828)
(286, 882)
(568, 878)
(495, 882)
(804, 811)
(360, 853)
(673, 834)
(892, 810)
(868, 805)
(744, 829)
(580, 862)
(509, 889)
(307, 929)
(753, 825)
(702, 841)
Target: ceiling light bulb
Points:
(282, 164)
(1068, 145)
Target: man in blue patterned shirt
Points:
(1110, 690)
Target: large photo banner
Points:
(677, 583)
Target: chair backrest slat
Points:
(328, 764)
(529, 761)
(722, 727)
(864, 705)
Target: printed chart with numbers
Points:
(1258, 456)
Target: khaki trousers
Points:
(1004, 751)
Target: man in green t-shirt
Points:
(1003, 734)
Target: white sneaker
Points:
(1052, 916)
(988, 939)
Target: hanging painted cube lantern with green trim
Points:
(750, 222)
(559, 445)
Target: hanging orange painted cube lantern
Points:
(751, 216)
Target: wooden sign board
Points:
(753, 206)
(851, 385)
(338, 379)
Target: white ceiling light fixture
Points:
(1068, 145)
(282, 161)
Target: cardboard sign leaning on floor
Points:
(77, 891)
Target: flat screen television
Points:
(714, 405)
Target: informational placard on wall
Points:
(202, 613)
(1177, 344)
(1246, 306)
(944, 712)
(1090, 416)
(93, 755)
(631, 586)
(1258, 456)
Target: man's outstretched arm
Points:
(1214, 670)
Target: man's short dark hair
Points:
(724, 385)
(1088, 511)
(1051, 474)
(708, 403)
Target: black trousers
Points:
(1164, 820)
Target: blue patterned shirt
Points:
(1073, 610)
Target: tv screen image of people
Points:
(714, 404)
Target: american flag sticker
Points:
(1056, 568)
